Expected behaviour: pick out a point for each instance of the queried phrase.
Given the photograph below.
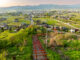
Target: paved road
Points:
(67, 24)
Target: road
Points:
(67, 24)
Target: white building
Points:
(72, 30)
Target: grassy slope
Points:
(22, 52)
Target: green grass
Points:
(74, 55)
(52, 55)
(23, 52)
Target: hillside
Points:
(43, 6)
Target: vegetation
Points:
(59, 28)
(16, 45)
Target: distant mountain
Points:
(43, 6)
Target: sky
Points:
(8, 3)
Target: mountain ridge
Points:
(42, 6)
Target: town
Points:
(47, 35)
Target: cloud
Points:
(48, 1)
(37, 2)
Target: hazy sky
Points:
(7, 3)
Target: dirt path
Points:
(38, 51)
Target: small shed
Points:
(72, 30)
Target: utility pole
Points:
(46, 37)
